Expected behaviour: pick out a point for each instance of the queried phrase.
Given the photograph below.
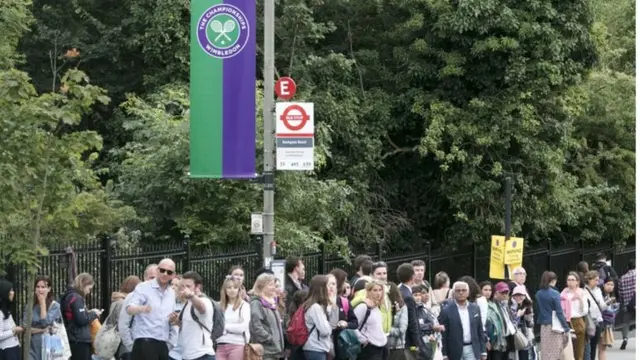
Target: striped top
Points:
(7, 338)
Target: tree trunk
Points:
(28, 308)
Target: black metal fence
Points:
(110, 264)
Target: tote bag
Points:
(567, 352)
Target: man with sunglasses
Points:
(152, 304)
(125, 321)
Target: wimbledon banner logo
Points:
(223, 31)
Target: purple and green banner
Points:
(223, 89)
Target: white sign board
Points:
(278, 268)
(256, 223)
(294, 136)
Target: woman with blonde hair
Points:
(370, 332)
(237, 316)
(76, 317)
(266, 325)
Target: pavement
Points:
(614, 353)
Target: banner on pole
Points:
(222, 89)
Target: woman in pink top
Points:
(576, 307)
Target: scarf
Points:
(496, 327)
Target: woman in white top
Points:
(596, 306)
(579, 309)
(9, 344)
(370, 332)
(237, 316)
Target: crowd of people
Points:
(168, 316)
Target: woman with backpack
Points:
(317, 309)
(399, 326)
(346, 318)
(265, 325)
(370, 330)
(77, 317)
(237, 316)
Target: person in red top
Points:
(627, 290)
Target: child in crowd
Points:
(430, 329)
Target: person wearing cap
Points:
(500, 326)
(522, 313)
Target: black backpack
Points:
(218, 321)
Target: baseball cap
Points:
(520, 290)
(502, 287)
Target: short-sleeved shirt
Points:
(193, 339)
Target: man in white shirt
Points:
(463, 337)
(196, 320)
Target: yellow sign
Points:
(496, 263)
(513, 251)
(505, 252)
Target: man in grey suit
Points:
(463, 338)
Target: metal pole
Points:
(269, 135)
(508, 184)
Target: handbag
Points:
(52, 347)
(252, 351)
(520, 340)
(60, 330)
(107, 341)
(590, 325)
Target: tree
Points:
(422, 108)
(51, 192)
(153, 177)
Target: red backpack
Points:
(297, 333)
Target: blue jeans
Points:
(315, 355)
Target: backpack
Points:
(297, 332)
(67, 313)
(349, 346)
(218, 321)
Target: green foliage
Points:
(153, 176)
(14, 22)
(422, 108)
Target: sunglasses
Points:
(165, 271)
(504, 292)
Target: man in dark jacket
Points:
(604, 269)
(294, 281)
(463, 336)
(414, 345)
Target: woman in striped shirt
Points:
(9, 344)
